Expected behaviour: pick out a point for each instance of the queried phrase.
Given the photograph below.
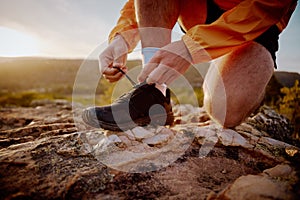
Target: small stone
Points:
(229, 137)
(157, 139)
(141, 133)
(114, 138)
(130, 134)
(256, 187)
(291, 151)
(204, 132)
(204, 117)
(92, 138)
(282, 170)
(164, 130)
(125, 140)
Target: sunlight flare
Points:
(16, 43)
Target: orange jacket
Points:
(243, 21)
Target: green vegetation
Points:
(24, 98)
(104, 96)
(200, 95)
(25, 79)
(186, 97)
(289, 105)
(38, 74)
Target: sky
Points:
(74, 28)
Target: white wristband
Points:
(148, 53)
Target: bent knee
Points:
(230, 113)
(228, 118)
(234, 86)
(234, 119)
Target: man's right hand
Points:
(114, 55)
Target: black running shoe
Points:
(140, 107)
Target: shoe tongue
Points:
(146, 88)
(149, 92)
(136, 90)
(141, 84)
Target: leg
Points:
(234, 87)
(156, 18)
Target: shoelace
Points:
(134, 84)
(126, 96)
(131, 81)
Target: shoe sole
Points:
(155, 120)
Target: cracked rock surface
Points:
(46, 152)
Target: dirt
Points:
(42, 157)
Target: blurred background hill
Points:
(47, 75)
(56, 76)
(38, 74)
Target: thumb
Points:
(148, 68)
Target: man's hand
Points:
(114, 55)
(167, 64)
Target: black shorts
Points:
(268, 39)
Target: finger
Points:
(109, 71)
(124, 69)
(148, 68)
(158, 74)
(170, 75)
(114, 78)
(150, 81)
(171, 78)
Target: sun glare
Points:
(15, 43)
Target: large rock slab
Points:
(274, 183)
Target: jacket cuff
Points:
(130, 35)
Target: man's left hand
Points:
(167, 64)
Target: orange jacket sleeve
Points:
(127, 26)
(243, 23)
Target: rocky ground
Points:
(46, 152)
